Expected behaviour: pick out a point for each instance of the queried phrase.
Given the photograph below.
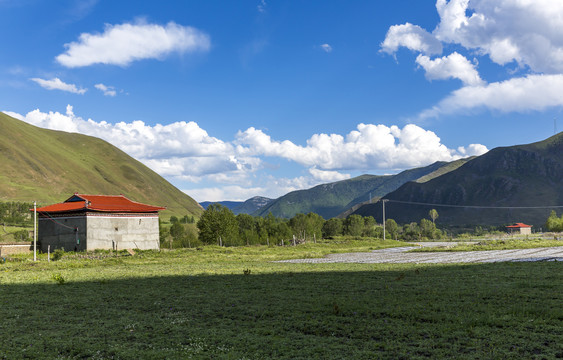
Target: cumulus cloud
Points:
(368, 147)
(184, 152)
(327, 175)
(451, 66)
(107, 90)
(533, 92)
(326, 48)
(122, 44)
(525, 33)
(412, 37)
(57, 84)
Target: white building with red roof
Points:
(89, 222)
(520, 228)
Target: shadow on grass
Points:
(508, 310)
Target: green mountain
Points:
(333, 199)
(241, 207)
(520, 181)
(48, 166)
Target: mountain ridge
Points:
(509, 178)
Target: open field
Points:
(234, 303)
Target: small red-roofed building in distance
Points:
(90, 222)
(519, 228)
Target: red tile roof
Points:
(101, 203)
(519, 225)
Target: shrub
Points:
(57, 254)
(58, 278)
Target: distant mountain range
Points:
(49, 166)
(331, 200)
(241, 207)
(521, 182)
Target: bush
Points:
(58, 278)
(57, 254)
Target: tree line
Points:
(219, 225)
(16, 213)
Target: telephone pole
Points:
(383, 201)
(34, 231)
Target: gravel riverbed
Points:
(401, 255)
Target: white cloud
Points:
(262, 6)
(327, 176)
(533, 92)
(525, 31)
(57, 84)
(412, 37)
(125, 43)
(326, 47)
(184, 152)
(451, 66)
(107, 90)
(370, 147)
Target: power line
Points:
(475, 206)
(55, 221)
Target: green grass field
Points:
(234, 303)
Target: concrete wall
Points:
(15, 249)
(527, 230)
(123, 231)
(59, 232)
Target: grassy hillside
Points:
(517, 176)
(48, 166)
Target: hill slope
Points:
(517, 176)
(331, 200)
(48, 166)
(241, 207)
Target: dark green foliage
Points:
(332, 227)
(187, 219)
(369, 227)
(307, 227)
(57, 254)
(177, 230)
(173, 219)
(16, 213)
(554, 223)
(218, 225)
(391, 228)
(354, 225)
(21, 235)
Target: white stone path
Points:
(400, 255)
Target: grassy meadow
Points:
(235, 303)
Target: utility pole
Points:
(383, 201)
(34, 231)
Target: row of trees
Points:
(15, 213)
(218, 225)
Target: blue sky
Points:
(233, 99)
